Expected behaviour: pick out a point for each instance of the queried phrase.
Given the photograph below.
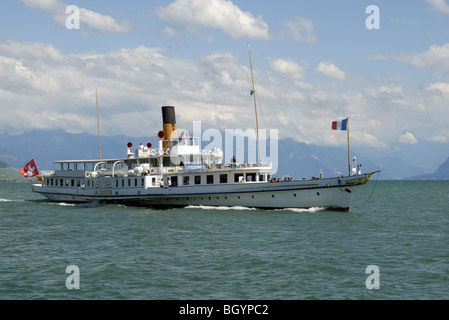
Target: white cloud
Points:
(440, 139)
(217, 14)
(49, 88)
(102, 22)
(90, 18)
(44, 87)
(47, 5)
(439, 5)
(329, 69)
(436, 58)
(300, 30)
(193, 15)
(408, 138)
(440, 86)
(390, 92)
(289, 68)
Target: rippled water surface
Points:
(229, 253)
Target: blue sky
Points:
(314, 62)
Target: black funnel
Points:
(168, 115)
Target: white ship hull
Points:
(178, 174)
(334, 193)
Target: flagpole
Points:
(349, 153)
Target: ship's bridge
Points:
(187, 149)
(184, 146)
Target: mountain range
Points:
(442, 173)
(295, 159)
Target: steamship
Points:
(177, 173)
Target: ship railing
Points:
(238, 165)
(188, 168)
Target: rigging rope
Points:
(229, 87)
(372, 191)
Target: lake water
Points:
(400, 227)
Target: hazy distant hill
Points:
(48, 146)
(3, 165)
(296, 159)
(442, 173)
(10, 174)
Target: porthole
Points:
(294, 194)
(272, 195)
(317, 193)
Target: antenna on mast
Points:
(98, 121)
(253, 93)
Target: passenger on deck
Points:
(233, 161)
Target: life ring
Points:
(87, 174)
(184, 134)
(153, 152)
(152, 171)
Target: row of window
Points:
(63, 182)
(89, 183)
(184, 180)
(221, 178)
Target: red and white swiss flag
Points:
(29, 170)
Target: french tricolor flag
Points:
(340, 125)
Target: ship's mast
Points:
(98, 122)
(253, 92)
(349, 152)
